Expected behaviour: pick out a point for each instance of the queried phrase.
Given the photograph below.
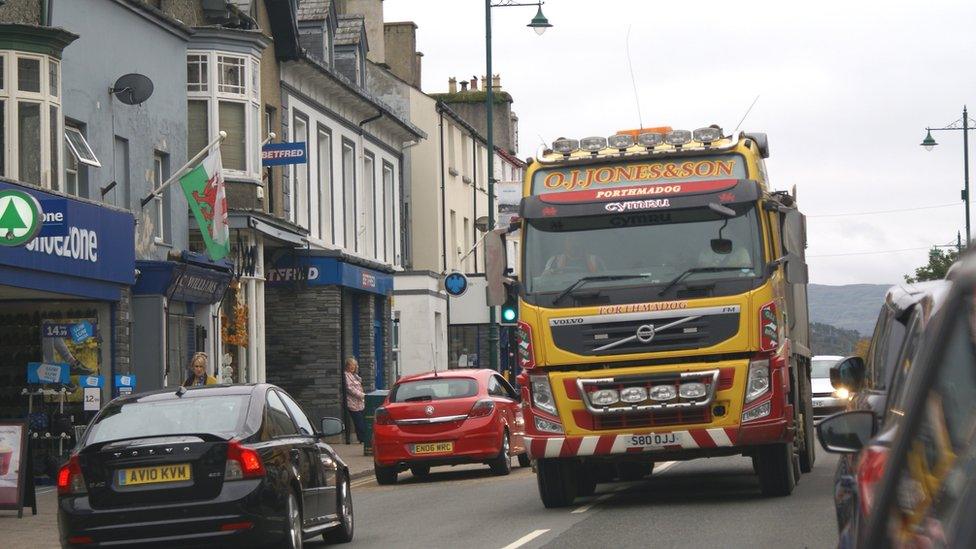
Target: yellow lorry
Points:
(662, 310)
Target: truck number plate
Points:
(652, 440)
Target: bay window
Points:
(223, 94)
(31, 147)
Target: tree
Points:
(862, 346)
(939, 263)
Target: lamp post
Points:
(929, 143)
(539, 23)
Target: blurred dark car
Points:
(236, 465)
(926, 492)
(875, 385)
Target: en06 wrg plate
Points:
(654, 441)
(433, 448)
(179, 472)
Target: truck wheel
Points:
(557, 482)
(808, 451)
(385, 475)
(776, 475)
(585, 481)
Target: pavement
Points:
(41, 530)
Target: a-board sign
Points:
(16, 479)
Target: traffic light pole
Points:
(490, 135)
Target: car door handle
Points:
(296, 455)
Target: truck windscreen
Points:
(642, 250)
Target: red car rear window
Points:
(434, 389)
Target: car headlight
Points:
(758, 381)
(842, 393)
(542, 394)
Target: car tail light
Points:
(235, 526)
(70, 480)
(242, 462)
(382, 417)
(768, 328)
(869, 472)
(81, 540)
(482, 408)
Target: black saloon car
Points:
(212, 465)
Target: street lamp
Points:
(929, 144)
(539, 24)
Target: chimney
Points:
(484, 84)
(372, 12)
(496, 82)
(452, 85)
(474, 83)
(464, 85)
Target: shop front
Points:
(175, 305)
(320, 309)
(64, 312)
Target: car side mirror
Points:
(848, 374)
(846, 432)
(332, 426)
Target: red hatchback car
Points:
(448, 418)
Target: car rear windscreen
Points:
(434, 389)
(820, 368)
(218, 415)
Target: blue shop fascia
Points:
(64, 300)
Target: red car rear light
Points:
(768, 327)
(242, 462)
(870, 469)
(482, 408)
(70, 480)
(382, 417)
(80, 540)
(523, 337)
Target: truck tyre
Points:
(585, 481)
(557, 482)
(776, 475)
(808, 451)
(385, 475)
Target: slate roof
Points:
(313, 10)
(350, 30)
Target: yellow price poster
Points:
(74, 342)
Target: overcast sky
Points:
(845, 90)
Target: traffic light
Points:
(510, 309)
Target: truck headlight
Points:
(542, 394)
(604, 397)
(758, 381)
(633, 395)
(692, 390)
(663, 392)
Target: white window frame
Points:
(80, 156)
(159, 235)
(11, 96)
(250, 97)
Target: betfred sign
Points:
(279, 154)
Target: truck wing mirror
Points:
(496, 263)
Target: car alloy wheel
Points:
(344, 532)
(502, 465)
(294, 523)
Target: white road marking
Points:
(525, 539)
(584, 508)
(362, 482)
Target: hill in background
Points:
(851, 307)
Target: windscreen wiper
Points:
(593, 278)
(694, 270)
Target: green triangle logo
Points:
(10, 220)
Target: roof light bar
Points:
(650, 139)
(621, 141)
(593, 144)
(565, 146)
(707, 135)
(678, 138)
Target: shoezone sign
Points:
(21, 217)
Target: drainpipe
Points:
(443, 202)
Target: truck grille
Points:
(586, 420)
(677, 330)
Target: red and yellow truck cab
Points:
(662, 310)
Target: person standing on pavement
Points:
(198, 371)
(355, 398)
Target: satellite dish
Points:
(132, 88)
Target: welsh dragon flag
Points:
(204, 190)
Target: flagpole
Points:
(221, 135)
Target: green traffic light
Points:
(508, 315)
